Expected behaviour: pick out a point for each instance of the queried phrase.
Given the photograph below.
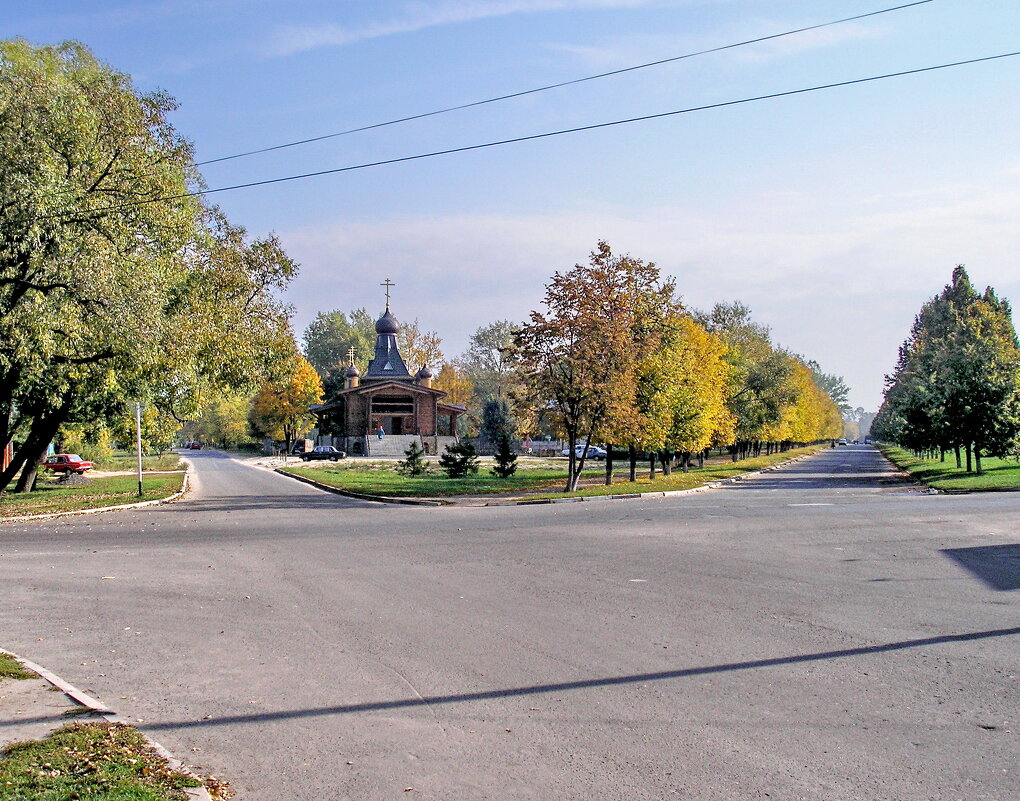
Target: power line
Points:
(530, 137)
(558, 85)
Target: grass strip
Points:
(95, 761)
(49, 496)
(381, 480)
(996, 474)
(13, 669)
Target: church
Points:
(406, 408)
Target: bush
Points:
(414, 464)
(459, 460)
(506, 459)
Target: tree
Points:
(414, 463)
(497, 421)
(455, 382)
(506, 459)
(105, 296)
(957, 379)
(581, 353)
(330, 336)
(419, 348)
(459, 459)
(488, 363)
(223, 420)
(281, 411)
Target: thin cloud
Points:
(419, 16)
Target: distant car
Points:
(867, 440)
(594, 452)
(195, 446)
(842, 442)
(67, 463)
(323, 452)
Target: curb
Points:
(361, 496)
(100, 709)
(51, 515)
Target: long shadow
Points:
(998, 566)
(583, 684)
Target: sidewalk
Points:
(33, 708)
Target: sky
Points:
(833, 215)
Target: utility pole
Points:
(138, 443)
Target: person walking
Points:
(380, 432)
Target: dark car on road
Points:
(323, 452)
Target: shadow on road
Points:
(998, 566)
(583, 684)
(296, 503)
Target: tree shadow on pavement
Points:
(998, 566)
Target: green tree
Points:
(506, 459)
(497, 421)
(105, 296)
(414, 463)
(459, 459)
(330, 336)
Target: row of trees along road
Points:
(616, 358)
(107, 297)
(956, 385)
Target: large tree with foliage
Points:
(329, 337)
(281, 409)
(582, 352)
(957, 379)
(114, 284)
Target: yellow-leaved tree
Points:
(281, 409)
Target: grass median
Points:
(528, 483)
(996, 474)
(97, 761)
(50, 496)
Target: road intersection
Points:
(823, 631)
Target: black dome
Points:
(387, 324)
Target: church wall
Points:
(425, 408)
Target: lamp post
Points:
(138, 443)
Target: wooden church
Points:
(387, 397)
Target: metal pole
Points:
(138, 443)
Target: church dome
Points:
(387, 324)
(352, 372)
(424, 372)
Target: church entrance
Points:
(396, 425)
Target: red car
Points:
(67, 463)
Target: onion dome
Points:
(387, 324)
(352, 372)
(424, 373)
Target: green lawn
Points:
(97, 761)
(50, 496)
(381, 480)
(128, 460)
(996, 474)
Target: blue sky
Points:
(832, 215)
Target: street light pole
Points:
(138, 443)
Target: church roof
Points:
(388, 364)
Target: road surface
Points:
(819, 632)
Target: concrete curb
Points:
(168, 499)
(361, 496)
(100, 709)
(656, 494)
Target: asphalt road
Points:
(819, 632)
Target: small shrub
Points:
(506, 459)
(459, 460)
(414, 464)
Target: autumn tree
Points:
(419, 348)
(581, 353)
(282, 410)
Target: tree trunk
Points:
(667, 463)
(40, 435)
(632, 453)
(571, 461)
(30, 474)
(609, 465)
(701, 460)
(969, 470)
(957, 449)
(651, 464)
(977, 457)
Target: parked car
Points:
(67, 463)
(842, 442)
(195, 446)
(323, 452)
(867, 440)
(594, 452)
